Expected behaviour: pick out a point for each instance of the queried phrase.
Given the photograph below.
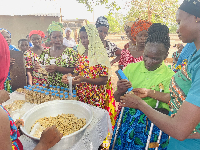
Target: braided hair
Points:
(159, 33)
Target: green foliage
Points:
(156, 11)
(115, 22)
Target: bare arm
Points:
(97, 81)
(65, 70)
(5, 142)
(163, 97)
(118, 54)
(179, 127)
(117, 95)
(29, 76)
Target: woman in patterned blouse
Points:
(134, 52)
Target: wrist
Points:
(149, 92)
(41, 146)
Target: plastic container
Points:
(45, 89)
(37, 84)
(66, 97)
(30, 95)
(61, 97)
(57, 97)
(41, 88)
(66, 90)
(58, 89)
(47, 97)
(53, 96)
(51, 87)
(54, 88)
(42, 96)
(38, 96)
(34, 96)
(27, 94)
(61, 93)
(62, 89)
(74, 97)
(44, 85)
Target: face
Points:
(103, 32)
(56, 38)
(187, 26)
(141, 38)
(154, 54)
(23, 46)
(68, 33)
(84, 39)
(6, 35)
(128, 32)
(36, 40)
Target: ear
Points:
(197, 19)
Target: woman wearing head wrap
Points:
(91, 72)
(184, 127)
(144, 76)
(127, 28)
(33, 59)
(7, 35)
(8, 128)
(61, 59)
(68, 41)
(102, 26)
(135, 50)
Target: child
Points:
(23, 45)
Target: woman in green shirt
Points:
(150, 74)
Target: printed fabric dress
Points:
(7, 83)
(89, 93)
(67, 59)
(30, 59)
(126, 58)
(14, 133)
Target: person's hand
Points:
(141, 92)
(77, 80)
(51, 68)
(64, 79)
(37, 66)
(130, 100)
(12, 61)
(4, 96)
(50, 136)
(123, 85)
(19, 122)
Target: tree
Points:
(156, 11)
(109, 5)
(114, 26)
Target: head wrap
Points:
(191, 6)
(129, 22)
(55, 26)
(97, 54)
(102, 21)
(139, 26)
(5, 30)
(40, 33)
(4, 61)
(68, 29)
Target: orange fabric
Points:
(139, 26)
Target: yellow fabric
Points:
(96, 52)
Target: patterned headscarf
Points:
(55, 26)
(97, 54)
(102, 21)
(139, 26)
(5, 30)
(68, 29)
(4, 61)
(40, 33)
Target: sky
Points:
(70, 9)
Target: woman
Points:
(7, 35)
(102, 26)
(149, 74)
(129, 23)
(34, 58)
(134, 53)
(61, 60)
(8, 129)
(91, 72)
(176, 54)
(68, 41)
(184, 55)
(184, 88)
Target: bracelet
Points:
(154, 91)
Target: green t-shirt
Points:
(140, 77)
